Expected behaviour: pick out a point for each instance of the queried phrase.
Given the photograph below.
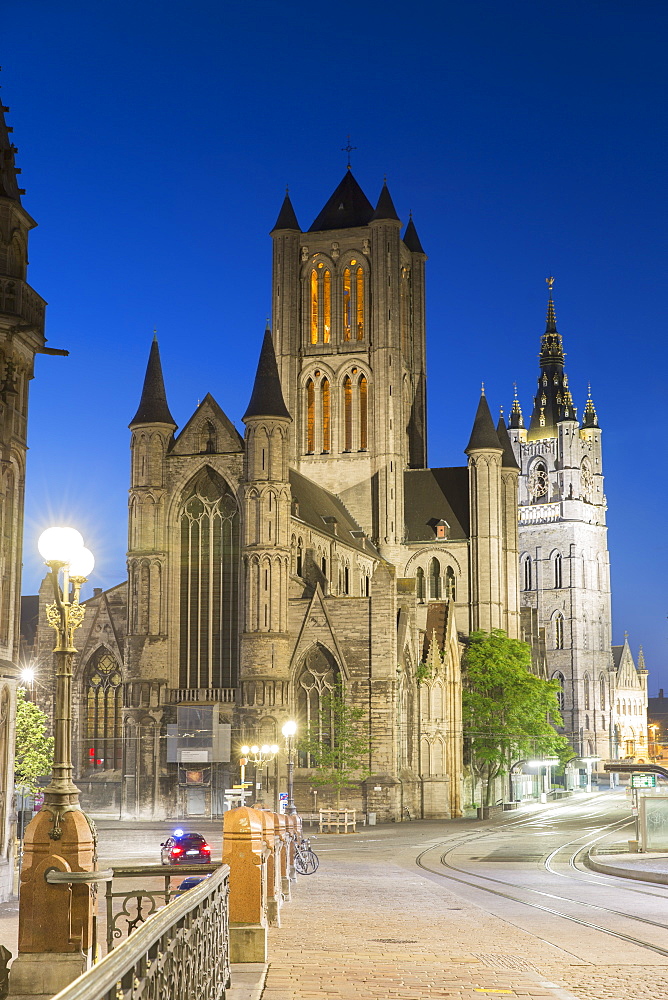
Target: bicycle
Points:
(306, 860)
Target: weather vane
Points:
(550, 283)
(348, 149)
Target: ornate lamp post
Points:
(60, 836)
(289, 730)
(260, 757)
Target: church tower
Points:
(564, 562)
(349, 329)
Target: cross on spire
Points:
(348, 149)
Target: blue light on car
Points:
(178, 833)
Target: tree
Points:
(34, 748)
(338, 744)
(508, 712)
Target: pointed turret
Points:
(286, 217)
(267, 396)
(347, 208)
(516, 418)
(589, 417)
(385, 208)
(508, 460)
(483, 435)
(411, 238)
(553, 401)
(153, 408)
(8, 170)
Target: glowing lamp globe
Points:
(289, 729)
(81, 563)
(59, 544)
(255, 749)
(245, 750)
(28, 675)
(274, 748)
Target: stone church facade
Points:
(316, 550)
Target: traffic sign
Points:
(643, 781)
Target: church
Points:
(317, 550)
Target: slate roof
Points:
(153, 408)
(434, 494)
(508, 460)
(315, 503)
(484, 434)
(267, 396)
(286, 217)
(385, 208)
(411, 238)
(347, 208)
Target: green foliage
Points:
(338, 744)
(422, 672)
(507, 709)
(34, 749)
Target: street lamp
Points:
(289, 730)
(260, 757)
(28, 681)
(63, 552)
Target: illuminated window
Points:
(360, 303)
(326, 421)
(364, 410)
(327, 306)
(104, 701)
(347, 304)
(347, 413)
(314, 307)
(310, 416)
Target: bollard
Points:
(245, 851)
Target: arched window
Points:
(585, 687)
(209, 591)
(299, 557)
(347, 413)
(558, 631)
(586, 480)
(587, 727)
(450, 586)
(103, 697)
(435, 580)
(527, 572)
(327, 307)
(419, 584)
(359, 287)
(310, 417)
(560, 693)
(347, 304)
(557, 571)
(316, 683)
(364, 413)
(326, 416)
(537, 483)
(314, 307)
(601, 687)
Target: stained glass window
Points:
(103, 694)
(347, 304)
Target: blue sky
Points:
(527, 138)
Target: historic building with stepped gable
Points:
(564, 560)
(318, 548)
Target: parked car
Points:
(185, 849)
(189, 883)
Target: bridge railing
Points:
(180, 951)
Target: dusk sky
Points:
(527, 138)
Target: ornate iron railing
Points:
(220, 695)
(180, 951)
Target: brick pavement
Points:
(373, 929)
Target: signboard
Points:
(643, 781)
(282, 802)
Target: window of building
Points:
(601, 686)
(450, 585)
(558, 631)
(316, 683)
(347, 413)
(585, 686)
(526, 566)
(327, 307)
(310, 417)
(326, 416)
(557, 571)
(103, 698)
(314, 307)
(435, 580)
(347, 304)
(364, 411)
(359, 287)
(560, 693)
(419, 584)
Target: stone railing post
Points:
(245, 851)
(284, 852)
(274, 898)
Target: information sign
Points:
(643, 781)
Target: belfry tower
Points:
(349, 331)
(564, 561)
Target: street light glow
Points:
(28, 675)
(59, 544)
(289, 729)
(82, 563)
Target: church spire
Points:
(287, 218)
(267, 396)
(385, 208)
(483, 434)
(516, 418)
(411, 238)
(589, 417)
(153, 408)
(8, 170)
(553, 401)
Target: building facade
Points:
(316, 550)
(564, 563)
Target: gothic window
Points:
(419, 584)
(359, 285)
(424, 759)
(601, 684)
(558, 631)
(585, 685)
(586, 480)
(209, 586)
(560, 693)
(103, 698)
(364, 411)
(557, 571)
(347, 413)
(587, 727)
(326, 416)
(208, 438)
(438, 766)
(327, 307)
(300, 551)
(450, 585)
(537, 483)
(347, 304)
(435, 580)
(318, 679)
(526, 567)
(314, 307)
(310, 417)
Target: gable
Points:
(209, 431)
